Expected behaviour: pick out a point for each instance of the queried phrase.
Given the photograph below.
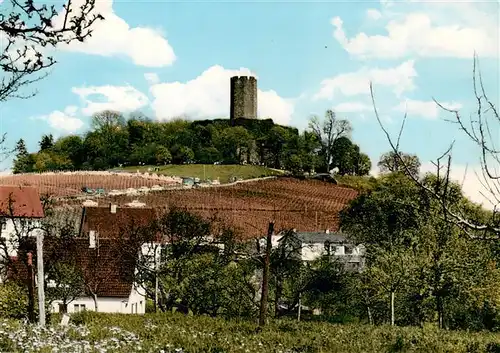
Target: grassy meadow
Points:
(210, 171)
(90, 332)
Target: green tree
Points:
(309, 145)
(72, 147)
(322, 286)
(403, 229)
(327, 132)
(278, 142)
(107, 121)
(143, 154)
(162, 155)
(286, 266)
(391, 162)
(195, 272)
(107, 145)
(43, 162)
(46, 143)
(389, 270)
(23, 162)
(235, 144)
(94, 150)
(208, 155)
(65, 284)
(363, 164)
(294, 164)
(181, 154)
(346, 156)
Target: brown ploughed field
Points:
(307, 205)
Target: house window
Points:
(328, 247)
(78, 308)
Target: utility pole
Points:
(157, 260)
(41, 278)
(31, 285)
(265, 276)
(300, 306)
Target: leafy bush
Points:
(13, 301)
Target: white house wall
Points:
(312, 252)
(10, 234)
(135, 303)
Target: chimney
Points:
(327, 231)
(92, 239)
(113, 208)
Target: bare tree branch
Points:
(440, 194)
(27, 29)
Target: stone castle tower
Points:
(243, 97)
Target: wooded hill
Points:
(114, 140)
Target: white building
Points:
(110, 273)
(96, 251)
(312, 245)
(109, 276)
(135, 303)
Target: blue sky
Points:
(175, 58)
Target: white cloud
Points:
(440, 30)
(464, 175)
(469, 178)
(399, 78)
(114, 37)
(352, 107)
(373, 14)
(152, 78)
(119, 98)
(207, 96)
(425, 109)
(65, 121)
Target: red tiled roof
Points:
(20, 201)
(110, 225)
(104, 269)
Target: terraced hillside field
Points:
(307, 205)
(70, 184)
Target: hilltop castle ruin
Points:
(243, 97)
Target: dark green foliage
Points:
(434, 270)
(390, 162)
(114, 141)
(46, 143)
(13, 301)
(23, 163)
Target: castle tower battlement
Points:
(243, 97)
